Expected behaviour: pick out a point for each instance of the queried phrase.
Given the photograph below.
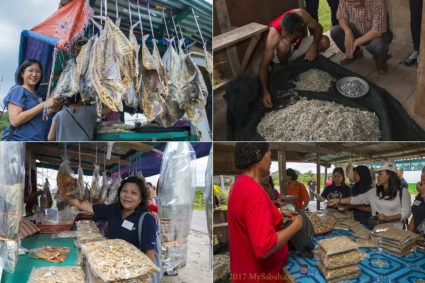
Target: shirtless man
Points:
(285, 42)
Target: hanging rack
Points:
(175, 30)
(199, 29)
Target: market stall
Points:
(149, 62)
(68, 169)
(396, 255)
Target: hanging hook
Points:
(199, 29)
(140, 19)
(165, 22)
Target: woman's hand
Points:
(332, 202)
(297, 221)
(382, 217)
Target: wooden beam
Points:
(303, 147)
(224, 22)
(72, 164)
(138, 146)
(420, 95)
(248, 52)
(282, 172)
(229, 38)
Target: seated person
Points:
(363, 23)
(417, 223)
(75, 122)
(338, 189)
(285, 42)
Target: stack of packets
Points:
(338, 258)
(87, 231)
(49, 274)
(395, 241)
(117, 261)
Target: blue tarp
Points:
(150, 162)
(34, 45)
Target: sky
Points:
(16, 16)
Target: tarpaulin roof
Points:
(150, 163)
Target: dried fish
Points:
(330, 121)
(314, 80)
(66, 85)
(113, 190)
(80, 183)
(104, 190)
(319, 225)
(65, 180)
(82, 61)
(95, 185)
(352, 88)
(46, 200)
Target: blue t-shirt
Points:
(334, 192)
(33, 130)
(127, 229)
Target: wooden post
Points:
(318, 176)
(326, 175)
(420, 95)
(282, 171)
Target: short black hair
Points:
(291, 172)
(73, 99)
(394, 186)
(19, 80)
(144, 205)
(150, 184)
(291, 23)
(246, 153)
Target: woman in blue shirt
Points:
(123, 216)
(25, 107)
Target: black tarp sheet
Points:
(245, 108)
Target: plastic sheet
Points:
(95, 184)
(341, 259)
(208, 196)
(55, 216)
(65, 180)
(12, 156)
(176, 195)
(68, 274)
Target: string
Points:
(106, 8)
(166, 28)
(104, 162)
(184, 43)
(79, 155)
(96, 152)
(140, 19)
(116, 8)
(45, 116)
(175, 30)
(199, 29)
(150, 21)
(101, 13)
(129, 12)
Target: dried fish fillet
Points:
(82, 61)
(331, 122)
(66, 85)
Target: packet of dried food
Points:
(105, 187)
(88, 236)
(46, 200)
(333, 273)
(363, 234)
(337, 245)
(84, 224)
(80, 184)
(65, 180)
(64, 234)
(398, 235)
(113, 190)
(320, 224)
(345, 277)
(116, 260)
(381, 228)
(341, 259)
(366, 243)
(68, 274)
(50, 253)
(95, 184)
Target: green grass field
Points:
(325, 15)
(412, 188)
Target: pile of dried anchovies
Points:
(314, 80)
(317, 120)
(352, 88)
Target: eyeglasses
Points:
(32, 71)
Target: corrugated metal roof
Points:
(179, 10)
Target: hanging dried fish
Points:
(95, 184)
(65, 180)
(349, 171)
(80, 184)
(113, 190)
(87, 195)
(66, 85)
(82, 61)
(104, 190)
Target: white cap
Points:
(388, 166)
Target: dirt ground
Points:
(197, 265)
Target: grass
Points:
(4, 122)
(412, 189)
(325, 15)
(199, 202)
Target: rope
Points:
(165, 22)
(116, 8)
(96, 152)
(45, 116)
(199, 29)
(175, 30)
(184, 43)
(101, 13)
(140, 19)
(129, 12)
(150, 21)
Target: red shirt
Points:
(276, 24)
(253, 221)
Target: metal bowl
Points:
(359, 87)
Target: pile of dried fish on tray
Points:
(112, 71)
(395, 241)
(68, 274)
(318, 120)
(117, 260)
(314, 80)
(338, 258)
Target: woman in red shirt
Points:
(257, 240)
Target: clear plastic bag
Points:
(84, 224)
(176, 192)
(55, 216)
(80, 184)
(381, 228)
(208, 196)
(341, 259)
(66, 181)
(337, 245)
(113, 190)
(334, 273)
(50, 254)
(95, 184)
(68, 274)
(46, 200)
(64, 234)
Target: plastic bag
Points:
(341, 259)
(337, 245)
(68, 274)
(95, 184)
(46, 200)
(113, 190)
(80, 184)
(65, 180)
(366, 243)
(55, 216)
(84, 224)
(176, 195)
(208, 196)
(50, 253)
(64, 234)
(337, 272)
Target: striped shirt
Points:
(370, 17)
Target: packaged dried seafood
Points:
(337, 245)
(50, 254)
(366, 243)
(320, 225)
(64, 274)
(334, 273)
(80, 183)
(65, 180)
(314, 80)
(381, 228)
(398, 235)
(345, 277)
(84, 224)
(113, 190)
(177, 191)
(340, 259)
(64, 234)
(95, 184)
(362, 233)
(88, 236)
(332, 121)
(46, 200)
(115, 260)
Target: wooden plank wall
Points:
(420, 94)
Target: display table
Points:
(379, 267)
(26, 263)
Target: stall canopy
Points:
(126, 157)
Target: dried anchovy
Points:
(345, 277)
(341, 259)
(337, 245)
(366, 243)
(319, 225)
(337, 272)
(314, 80)
(352, 88)
(317, 120)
